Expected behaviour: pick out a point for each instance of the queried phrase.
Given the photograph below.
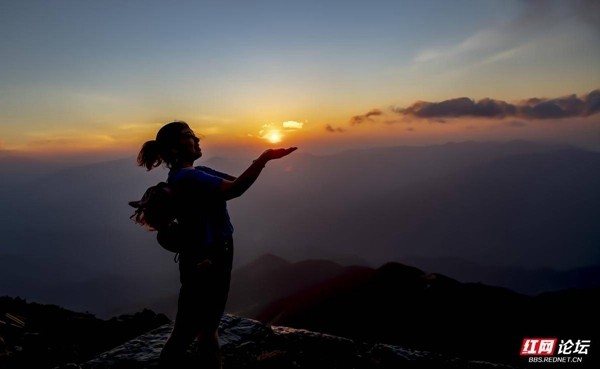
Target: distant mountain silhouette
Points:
(530, 281)
(402, 305)
(269, 278)
(17, 169)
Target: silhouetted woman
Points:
(206, 232)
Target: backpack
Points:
(157, 211)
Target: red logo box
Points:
(538, 346)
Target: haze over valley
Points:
(505, 210)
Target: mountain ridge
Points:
(402, 305)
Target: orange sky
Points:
(102, 82)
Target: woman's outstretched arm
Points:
(235, 188)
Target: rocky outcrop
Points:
(249, 344)
(34, 335)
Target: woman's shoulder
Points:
(193, 175)
(178, 174)
(203, 168)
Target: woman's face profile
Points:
(189, 145)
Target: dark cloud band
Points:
(530, 109)
(534, 108)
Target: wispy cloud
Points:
(358, 119)
(69, 141)
(329, 128)
(502, 41)
(290, 124)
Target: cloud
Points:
(461, 106)
(536, 108)
(563, 107)
(290, 124)
(533, 108)
(359, 119)
(71, 141)
(329, 128)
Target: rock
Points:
(68, 366)
(249, 344)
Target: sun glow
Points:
(276, 132)
(274, 136)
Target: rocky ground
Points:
(249, 344)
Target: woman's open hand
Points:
(271, 154)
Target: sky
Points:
(100, 77)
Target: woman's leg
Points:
(208, 339)
(209, 350)
(201, 304)
(198, 323)
(184, 332)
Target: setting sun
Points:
(274, 136)
(274, 132)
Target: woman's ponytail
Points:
(150, 155)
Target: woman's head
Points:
(175, 143)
